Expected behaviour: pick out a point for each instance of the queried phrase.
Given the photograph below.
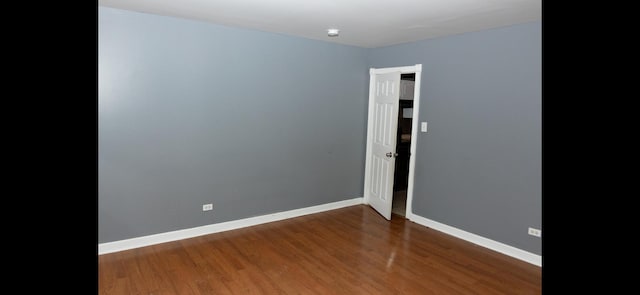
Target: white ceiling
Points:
(365, 23)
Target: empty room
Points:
(319, 147)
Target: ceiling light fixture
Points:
(333, 32)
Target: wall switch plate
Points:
(535, 232)
(423, 127)
(207, 207)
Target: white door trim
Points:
(417, 69)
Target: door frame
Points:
(415, 125)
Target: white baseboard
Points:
(478, 240)
(127, 244)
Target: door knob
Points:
(389, 154)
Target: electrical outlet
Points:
(207, 207)
(535, 232)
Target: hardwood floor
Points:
(351, 250)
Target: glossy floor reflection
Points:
(346, 251)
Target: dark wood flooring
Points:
(351, 250)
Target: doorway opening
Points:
(403, 144)
(386, 127)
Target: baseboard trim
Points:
(138, 242)
(478, 240)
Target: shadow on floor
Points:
(399, 205)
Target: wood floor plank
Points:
(351, 250)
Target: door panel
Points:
(384, 96)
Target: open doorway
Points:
(403, 144)
(383, 135)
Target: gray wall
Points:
(255, 123)
(479, 166)
(193, 113)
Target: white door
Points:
(384, 94)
